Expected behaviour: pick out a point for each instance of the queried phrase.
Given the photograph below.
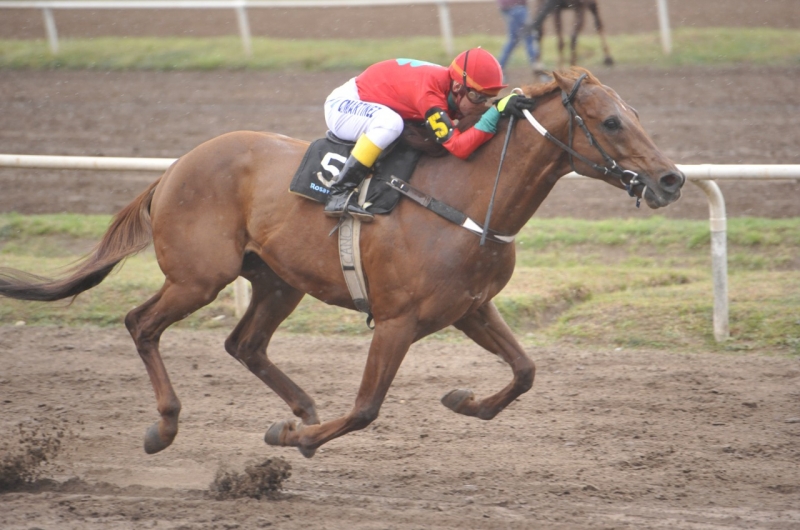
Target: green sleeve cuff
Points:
(488, 122)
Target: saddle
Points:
(326, 156)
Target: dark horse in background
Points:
(223, 210)
(579, 7)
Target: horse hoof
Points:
(276, 434)
(457, 400)
(308, 453)
(279, 431)
(153, 443)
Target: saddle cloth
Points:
(325, 158)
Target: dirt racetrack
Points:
(606, 439)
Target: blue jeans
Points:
(515, 21)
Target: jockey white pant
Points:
(348, 117)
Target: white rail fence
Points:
(240, 7)
(702, 175)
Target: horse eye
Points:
(612, 124)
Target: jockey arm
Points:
(462, 144)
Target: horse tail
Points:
(130, 232)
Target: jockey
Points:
(369, 109)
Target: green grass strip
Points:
(642, 283)
(691, 46)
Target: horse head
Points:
(602, 138)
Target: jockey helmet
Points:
(478, 70)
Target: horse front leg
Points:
(388, 348)
(488, 329)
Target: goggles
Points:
(476, 97)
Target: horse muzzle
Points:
(660, 192)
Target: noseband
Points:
(611, 167)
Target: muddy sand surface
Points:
(606, 438)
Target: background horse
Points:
(223, 210)
(579, 7)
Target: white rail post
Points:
(446, 26)
(50, 28)
(244, 28)
(663, 24)
(719, 256)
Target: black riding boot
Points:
(342, 193)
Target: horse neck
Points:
(531, 168)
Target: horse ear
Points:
(562, 81)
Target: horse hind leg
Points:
(146, 324)
(576, 30)
(559, 36)
(598, 24)
(272, 301)
(488, 329)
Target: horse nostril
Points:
(672, 181)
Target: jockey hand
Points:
(513, 105)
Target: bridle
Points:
(611, 167)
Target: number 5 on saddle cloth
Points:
(325, 158)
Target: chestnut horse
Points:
(223, 210)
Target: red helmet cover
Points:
(483, 71)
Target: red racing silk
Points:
(412, 88)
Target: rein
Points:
(446, 211)
(612, 168)
(497, 180)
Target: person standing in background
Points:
(515, 13)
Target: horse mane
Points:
(570, 74)
(421, 138)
